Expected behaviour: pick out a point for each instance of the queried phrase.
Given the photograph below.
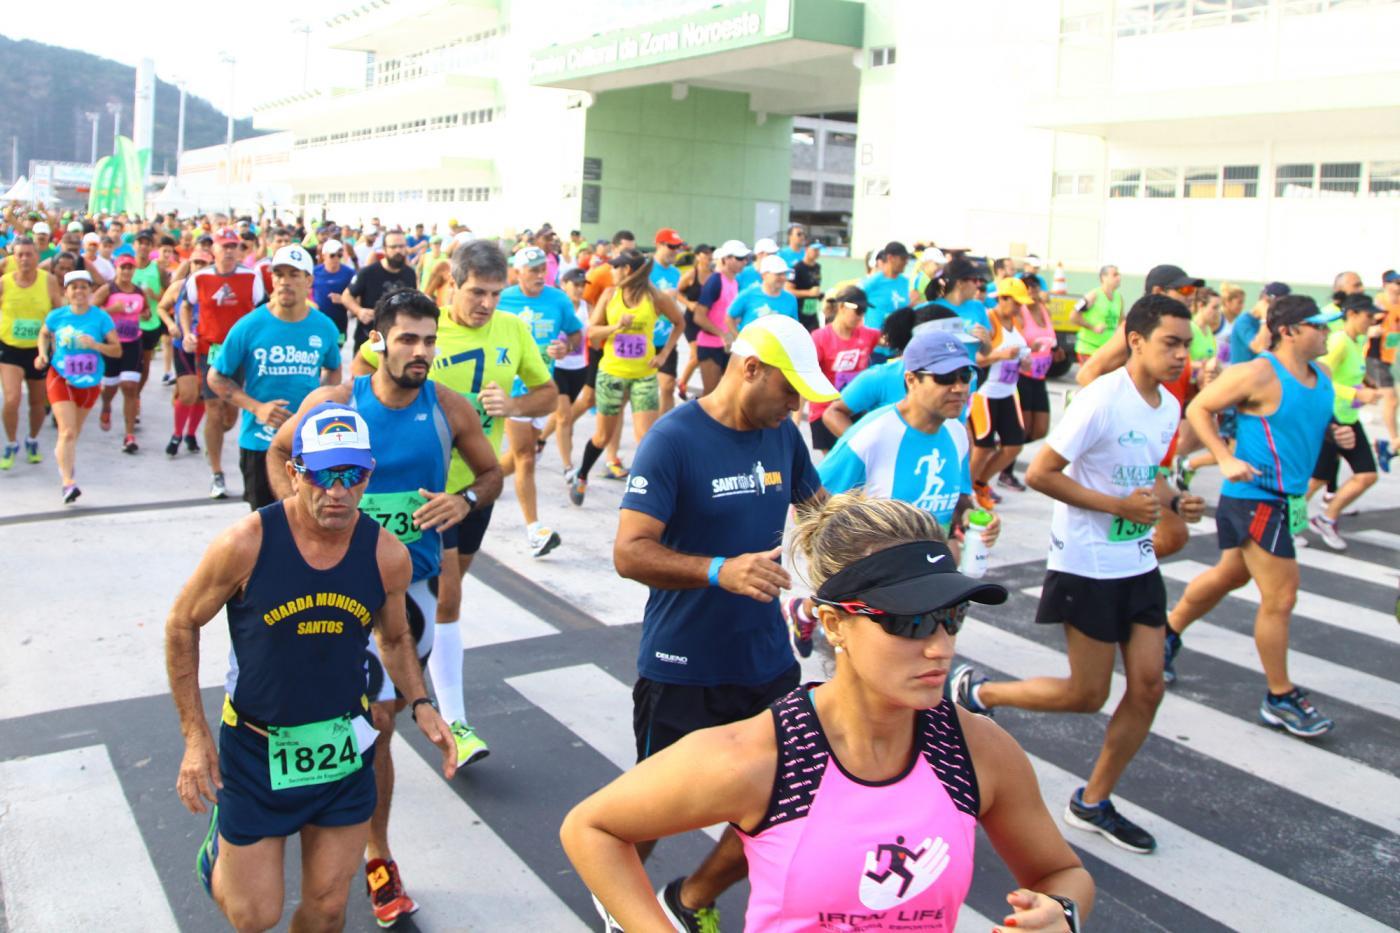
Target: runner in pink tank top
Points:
(856, 801)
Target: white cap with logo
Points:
(332, 246)
(773, 264)
(294, 256)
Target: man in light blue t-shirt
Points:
(667, 279)
(796, 249)
(752, 273)
(769, 296)
(272, 359)
(888, 287)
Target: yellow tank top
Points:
(22, 310)
(627, 353)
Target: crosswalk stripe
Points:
(1312, 606)
(1345, 683)
(566, 693)
(1347, 786)
(70, 850)
(1385, 539)
(1203, 875)
(435, 827)
(1363, 570)
(488, 618)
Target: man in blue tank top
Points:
(1284, 401)
(303, 582)
(415, 428)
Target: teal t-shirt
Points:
(80, 368)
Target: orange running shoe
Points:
(386, 894)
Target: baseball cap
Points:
(849, 295)
(733, 248)
(907, 579)
(91, 238)
(765, 245)
(1169, 277)
(668, 237)
(575, 275)
(75, 227)
(629, 259)
(784, 344)
(227, 235)
(531, 257)
(43, 228)
(331, 435)
(125, 259)
(896, 249)
(293, 256)
(1390, 276)
(332, 246)
(1298, 309)
(1361, 302)
(78, 276)
(774, 264)
(934, 255)
(935, 351)
(960, 268)
(1013, 288)
(202, 255)
(1277, 290)
(1033, 260)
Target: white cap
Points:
(1033, 260)
(75, 226)
(528, 258)
(466, 236)
(78, 276)
(332, 246)
(765, 245)
(934, 255)
(91, 238)
(781, 342)
(293, 256)
(331, 435)
(732, 248)
(43, 228)
(773, 264)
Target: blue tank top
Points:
(299, 634)
(1283, 446)
(412, 447)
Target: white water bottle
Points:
(974, 552)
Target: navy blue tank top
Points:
(299, 634)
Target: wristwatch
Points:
(413, 711)
(1071, 911)
(470, 496)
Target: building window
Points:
(1124, 182)
(1140, 17)
(1202, 182)
(1240, 181)
(1086, 185)
(799, 188)
(384, 197)
(882, 56)
(335, 197)
(803, 137)
(475, 194)
(1343, 178)
(1063, 184)
(1384, 180)
(1070, 184)
(1084, 24)
(1294, 180)
(838, 192)
(834, 138)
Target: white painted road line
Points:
(1385, 539)
(71, 855)
(488, 618)
(460, 872)
(1320, 558)
(1291, 763)
(1322, 609)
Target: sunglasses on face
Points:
(921, 625)
(1187, 290)
(963, 375)
(349, 476)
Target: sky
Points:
(268, 49)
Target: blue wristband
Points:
(715, 564)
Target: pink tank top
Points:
(835, 853)
(125, 309)
(1041, 339)
(719, 312)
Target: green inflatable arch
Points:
(119, 181)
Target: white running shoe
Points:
(544, 541)
(1326, 529)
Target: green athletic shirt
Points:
(1346, 357)
(1202, 343)
(149, 279)
(469, 359)
(1106, 311)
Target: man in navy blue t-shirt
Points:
(702, 525)
(329, 279)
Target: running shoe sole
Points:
(210, 846)
(549, 545)
(1269, 718)
(1079, 823)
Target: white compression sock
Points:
(445, 666)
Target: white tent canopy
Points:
(22, 190)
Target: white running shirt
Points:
(1003, 374)
(1113, 441)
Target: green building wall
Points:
(699, 165)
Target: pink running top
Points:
(1041, 339)
(719, 312)
(835, 853)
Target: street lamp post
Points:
(115, 109)
(227, 59)
(303, 27)
(94, 118)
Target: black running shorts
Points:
(662, 714)
(1105, 610)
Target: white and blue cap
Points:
(295, 256)
(936, 351)
(331, 435)
(530, 257)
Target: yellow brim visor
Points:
(809, 381)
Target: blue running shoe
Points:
(961, 687)
(1384, 454)
(1104, 819)
(1170, 648)
(208, 854)
(1294, 712)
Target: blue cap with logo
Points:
(937, 352)
(331, 435)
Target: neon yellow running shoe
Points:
(31, 452)
(470, 747)
(7, 460)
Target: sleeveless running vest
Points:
(412, 446)
(124, 308)
(1106, 311)
(834, 852)
(719, 311)
(222, 300)
(1037, 365)
(1283, 446)
(22, 310)
(627, 353)
(299, 634)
